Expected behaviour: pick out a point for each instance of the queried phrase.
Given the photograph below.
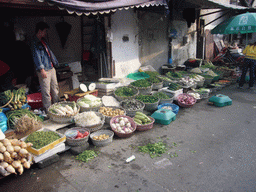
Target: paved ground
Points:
(215, 148)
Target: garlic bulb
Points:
(10, 169)
(2, 149)
(10, 148)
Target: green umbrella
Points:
(243, 23)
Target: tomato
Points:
(79, 134)
(86, 133)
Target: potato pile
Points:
(109, 111)
(101, 137)
(14, 156)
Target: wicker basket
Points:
(144, 90)
(62, 118)
(124, 135)
(94, 128)
(158, 85)
(77, 142)
(83, 109)
(166, 100)
(119, 98)
(108, 118)
(132, 113)
(147, 126)
(185, 105)
(102, 143)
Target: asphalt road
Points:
(210, 149)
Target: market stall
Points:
(87, 119)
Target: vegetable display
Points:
(89, 101)
(86, 155)
(164, 78)
(125, 91)
(161, 95)
(154, 80)
(41, 139)
(109, 111)
(101, 137)
(88, 118)
(174, 74)
(186, 99)
(195, 95)
(174, 86)
(122, 125)
(64, 109)
(141, 119)
(152, 73)
(147, 98)
(132, 105)
(141, 83)
(14, 156)
(18, 100)
(187, 81)
(23, 119)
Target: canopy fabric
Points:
(99, 6)
(243, 23)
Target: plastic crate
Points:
(220, 100)
(175, 93)
(164, 116)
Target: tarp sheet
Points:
(99, 6)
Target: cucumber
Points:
(138, 121)
(144, 115)
(142, 118)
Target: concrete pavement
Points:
(215, 148)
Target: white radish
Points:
(23, 152)
(17, 148)
(60, 112)
(71, 111)
(1, 157)
(14, 155)
(20, 170)
(16, 164)
(26, 165)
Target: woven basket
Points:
(147, 126)
(102, 143)
(83, 109)
(77, 142)
(119, 98)
(108, 118)
(62, 118)
(185, 105)
(94, 128)
(144, 90)
(165, 82)
(132, 113)
(166, 100)
(123, 135)
(158, 85)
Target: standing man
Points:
(44, 61)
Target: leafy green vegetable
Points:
(154, 80)
(174, 74)
(147, 98)
(152, 73)
(141, 83)
(161, 95)
(40, 139)
(154, 150)
(86, 155)
(125, 91)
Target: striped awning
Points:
(102, 6)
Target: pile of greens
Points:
(147, 98)
(174, 74)
(152, 73)
(141, 83)
(125, 91)
(154, 80)
(86, 155)
(161, 95)
(40, 139)
(154, 150)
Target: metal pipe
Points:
(212, 12)
(216, 19)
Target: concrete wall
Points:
(125, 54)
(72, 49)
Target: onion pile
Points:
(14, 156)
(186, 99)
